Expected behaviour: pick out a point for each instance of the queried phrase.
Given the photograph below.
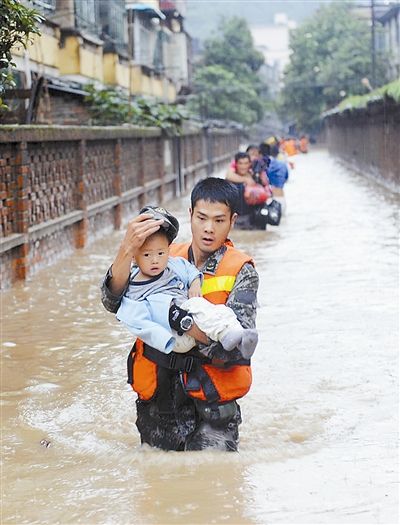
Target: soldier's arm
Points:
(136, 233)
(243, 301)
(116, 280)
(243, 297)
(110, 300)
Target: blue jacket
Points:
(147, 316)
(278, 173)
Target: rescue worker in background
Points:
(189, 401)
(290, 148)
(245, 179)
(253, 153)
(278, 173)
(272, 141)
(303, 144)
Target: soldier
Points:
(189, 401)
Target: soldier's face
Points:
(211, 223)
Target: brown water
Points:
(319, 436)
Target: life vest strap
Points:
(187, 362)
(129, 365)
(210, 392)
(172, 361)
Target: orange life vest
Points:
(290, 147)
(203, 378)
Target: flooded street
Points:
(320, 425)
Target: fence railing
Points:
(61, 187)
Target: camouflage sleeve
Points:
(110, 301)
(243, 301)
(243, 297)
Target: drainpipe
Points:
(208, 138)
(180, 179)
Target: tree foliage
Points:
(226, 83)
(17, 23)
(234, 49)
(223, 96)
(330, 56)
(109, 107)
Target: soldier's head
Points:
(213, 212)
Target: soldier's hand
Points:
(197, 334)
(195, 288)
(137, 232)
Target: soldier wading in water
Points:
(189, 401)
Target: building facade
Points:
(138, 47)
(389, 39)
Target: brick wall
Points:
(63, 186)
(368, 140)
(51, 180)
(8, 189)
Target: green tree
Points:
(330, 56)
(234, 49)
(221, 95)
(226, 83)
(17, 23)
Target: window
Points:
(86, 15)
(43, 5)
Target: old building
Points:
(389, 39)
(138, 47)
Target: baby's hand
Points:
(195, 288)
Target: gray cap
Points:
(170, 224)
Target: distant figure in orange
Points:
(304, 144)
(289, 146)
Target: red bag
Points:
(256, 194)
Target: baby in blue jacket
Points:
(157, 281)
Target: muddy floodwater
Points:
(320, 425)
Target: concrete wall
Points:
(62, 187)
(368, 140)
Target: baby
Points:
(158, 281)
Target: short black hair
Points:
(252, 146)
(214, 189)
(274, 151)
(265, 149)
(161, 232)
(241, 155)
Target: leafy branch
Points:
(110, 107)
(17, 23)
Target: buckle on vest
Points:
(172, 361)
(188, 363)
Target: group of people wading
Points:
(191, 307)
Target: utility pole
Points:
(373, 49)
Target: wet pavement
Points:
(320, 426)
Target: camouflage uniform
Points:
(174, 421)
